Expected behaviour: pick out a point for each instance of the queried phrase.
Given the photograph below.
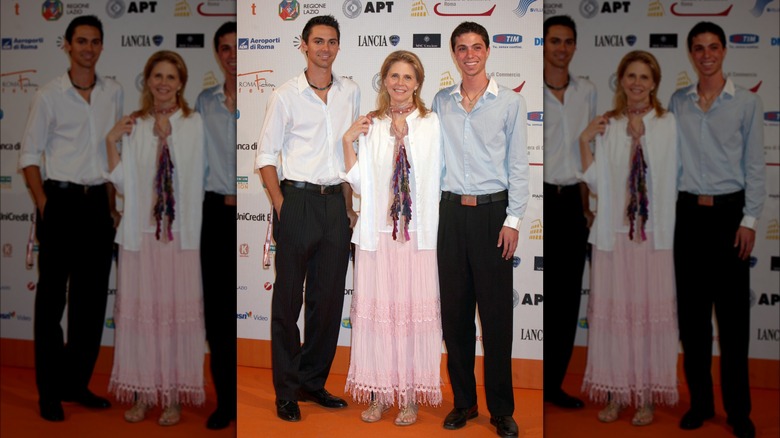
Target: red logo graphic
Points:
(213, 14)
(519, 88)
(699, 14)
(22, 83)
(267, 286)
(755, 89)
(487, 13)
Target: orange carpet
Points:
(19, 414)
(257, 414)
(583, 423)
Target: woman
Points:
(632, 318)
(159, 347)
(396, 323)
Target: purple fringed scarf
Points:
(164, 207)
(637, 186)
(401, 207)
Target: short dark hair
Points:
(560, 20)
(226, 28)
(469, 27)
(324, 20)
(706, 27)
(83, 20)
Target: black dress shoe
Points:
(563, 400)
(219, 420)
(744, 428)
(288, 410)
(694, 419)
(457, 417)
(51, 410)
(89, 400)
(505, 425)
(322, 397)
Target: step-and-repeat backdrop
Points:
(31, 56)
(269, 55)
(607, 30)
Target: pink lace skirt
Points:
(159, 344)
(632, 325)
(396, 325)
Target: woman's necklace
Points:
(401, 109)
(79, 87)
(165, 111)
(562, 87)
(472, 99)
(323, 88)
(637, 111)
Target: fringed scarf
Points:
(163, 210)
(637, 210)
(401, 206)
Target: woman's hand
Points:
(596, 126)
(359, 127)
(122, 127)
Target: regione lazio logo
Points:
(289, 10)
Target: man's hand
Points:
(744, 240)
(508, 238)
(352, 216)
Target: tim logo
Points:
(522, 7)
(507, 38)
(743, 38)
(243, 250)
(536, 116)
(772, 116)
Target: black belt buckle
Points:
(325, 190)
(468, 200)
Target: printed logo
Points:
(436, 10)
(532, 300)
(13, 315)
(743, 41)
(772, 335)
(446, 80)
(769, 300)
(268, 285)
(522, 7)
(426, 40)
(419, 9)
(258, 43)
(221, 8)
(515, 298)
(536, 116)
(531, 335)
(288, 10)
(259, 84)
(377, 40)
(583, 323)
(686, 12)
(614, 40)
(376, 82)
(590, 8)
(76, 8)
(21, 43)
(346, 323)
(51, 10)
(242, 182)
(5, 182)
(537, 231)
(115, 8)
(773, 230)
(655, 9)
(515, 261)
(259, 217)
(772, 116)
(507, 38)
(190, 40)
(246, 147)
(243, 250)
(352, 8)
(141, 40)
(538, 263)
(758, 7)
(663, 40)
(182, 9)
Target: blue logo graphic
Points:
(772, 116)
(744, 38)
(243, 44)
(758, 8)
(522, 7)
(631, 39)
(536, 116)
(394, 39)
(507, 38)
(157, 40)
(8, 43)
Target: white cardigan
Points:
(186, 144)
(607, 177)
(376, 150)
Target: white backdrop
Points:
(269, 37)
(608, 30)
(31, 56)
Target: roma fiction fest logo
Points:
(255, 82)
(692, 8)
(455, 9)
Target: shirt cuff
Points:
(512, 222)
(749, 222)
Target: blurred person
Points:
(63, 142)
(159, 341)
(632, 313)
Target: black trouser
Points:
(218, 267)
(565, 245)
(705, 234)
(75, 236)
(472, 273)
(312, 243)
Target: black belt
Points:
(561, 189)
(474, 200)
(712, 200)
(215, 197)
(322, 190)
(73, 187)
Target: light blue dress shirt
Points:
(220, 133)
(485, 151)
(722, 150)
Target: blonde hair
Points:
(383, 98)
(621, 101)
(147, 100)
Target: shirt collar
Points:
(492, 88)
(728, 88)
(303, 83)
(65, 82)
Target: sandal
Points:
(407, 416)
(610, 413)
(170, 416)
(374, 412)
(137, 413)
(643, 416)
